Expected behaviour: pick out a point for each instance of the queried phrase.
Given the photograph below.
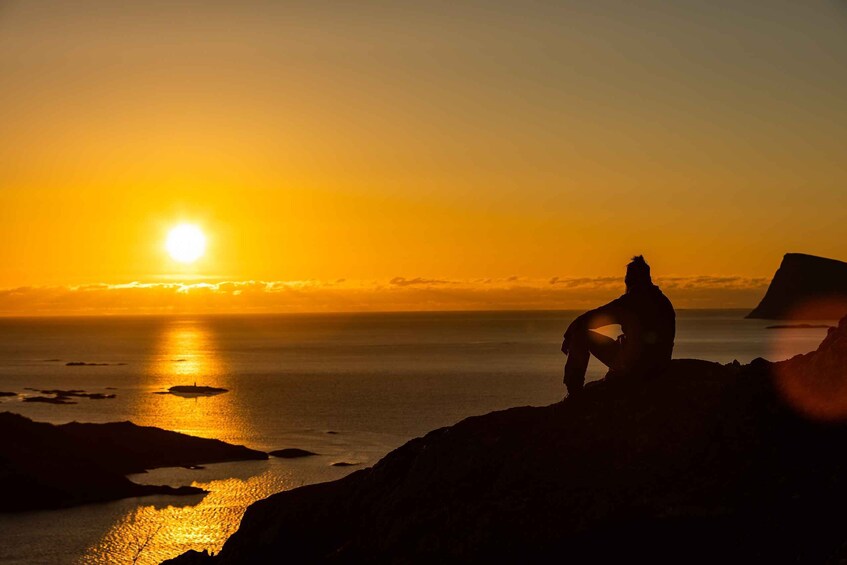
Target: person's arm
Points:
(603, 316)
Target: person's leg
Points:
(583, 345)
(604, 348)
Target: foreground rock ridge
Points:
(805, 287)
(702, 463)
(44, 466)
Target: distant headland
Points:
(805, 287)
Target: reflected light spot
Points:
(815, 384)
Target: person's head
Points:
(637, 274)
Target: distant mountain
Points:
(805, 287)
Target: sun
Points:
(186, 243)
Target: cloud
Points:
(396, 294)
(587, 282)
(400, 281)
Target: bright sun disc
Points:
(186, 243)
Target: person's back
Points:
(648, 322)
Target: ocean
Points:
(350, 387)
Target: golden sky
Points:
(440, 144)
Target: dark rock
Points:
(61, 392)
(62, 396)
(344, 464)
(84, 364)
(805, 287)
(8, 393)
(291, 453)
(702, 463)
(190, 557)
(128, 448)
(46, 466)
(49, 399)
(77, 393)
(816, 383)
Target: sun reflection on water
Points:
(153, 533)
(156, 530)
(187, 354)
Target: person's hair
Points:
(638, 273)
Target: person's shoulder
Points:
(662, 296)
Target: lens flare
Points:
(815, 384)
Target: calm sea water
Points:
(349, 387)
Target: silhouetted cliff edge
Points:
(45, 466)
(704, 463)
(805, 287)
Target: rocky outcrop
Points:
(46, 466)
(292, 453)
(65, 396)
(816, 383)
(805, 287)
(703, 463)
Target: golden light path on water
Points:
(187, 354)
(151, 534)
(155, 532)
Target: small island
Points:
(291, 453)
(59, 396)
(194, 390)
(87, 364)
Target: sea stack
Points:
(805, 287)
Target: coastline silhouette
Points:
(648, 322)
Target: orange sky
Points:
(381, 141)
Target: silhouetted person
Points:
(647, 319)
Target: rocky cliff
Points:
(702, 463)
(805, 287)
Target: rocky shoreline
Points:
(43, 466)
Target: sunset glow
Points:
(452, 143)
